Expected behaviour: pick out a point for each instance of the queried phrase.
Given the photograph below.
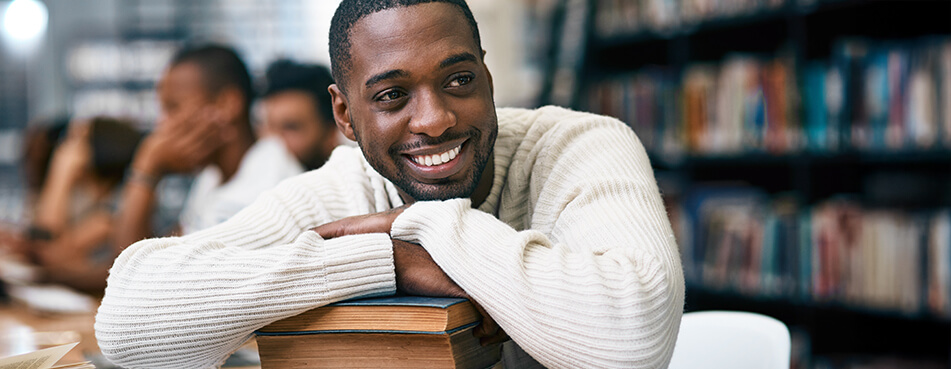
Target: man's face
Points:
(184, 98)
(419, 100)
(293, 116)
(182, 94)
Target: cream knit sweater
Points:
(571, 253)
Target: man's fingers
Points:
(499, 337)
(201, 133)
(488, 327)
(339, 228)
(361, 224)
(488, 331)
(328, 230)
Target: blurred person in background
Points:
(70, 237)
(40, 140)
(205, 97)
(298, 109)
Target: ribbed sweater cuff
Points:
(426, 219)
(356, 265)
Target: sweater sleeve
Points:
(190, 302)
(594, 279)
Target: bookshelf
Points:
(804, 150)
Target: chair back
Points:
(731, 340)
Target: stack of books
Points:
(386, 332)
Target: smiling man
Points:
(550, 220)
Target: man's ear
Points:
(341, 112)
(488, 74)
(230, 103)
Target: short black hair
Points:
(351, 11)
(221, 67)
(286, 75)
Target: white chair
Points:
(731, 340)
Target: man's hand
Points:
(181, 146)
(418, 274)
(73, 158)
(361, 224)
(14, 244)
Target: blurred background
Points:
(803, 146)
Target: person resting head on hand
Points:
(71, 234)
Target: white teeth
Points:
(437, 159)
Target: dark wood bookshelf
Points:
(932, 159)
(809, 30)
(860, 17)
(869, 176)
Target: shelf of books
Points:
(740, 240)
(855, 284)
(876, 97)
(804, 151)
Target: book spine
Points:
(836, 251)
(869, 96)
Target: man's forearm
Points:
(53, 205)
(134, 221)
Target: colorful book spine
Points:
(834, 252)
(876, 97)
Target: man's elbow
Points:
(653, 328)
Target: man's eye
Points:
(390, 96)
(460, 81)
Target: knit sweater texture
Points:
(572, 254)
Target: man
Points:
(205, 96)
(297, 108)
(548, 219)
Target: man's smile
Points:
(437, 159)
(438, 163)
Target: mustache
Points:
(423, 140)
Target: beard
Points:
(482, 144)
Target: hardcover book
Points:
(391, 332)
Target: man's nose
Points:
(433, 116)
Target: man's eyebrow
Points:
(458, 58)
(395, 73)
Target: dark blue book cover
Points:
(381, 314)
(437, 302)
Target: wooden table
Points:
(23, 330)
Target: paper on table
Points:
(82, 365)
(41, 359)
